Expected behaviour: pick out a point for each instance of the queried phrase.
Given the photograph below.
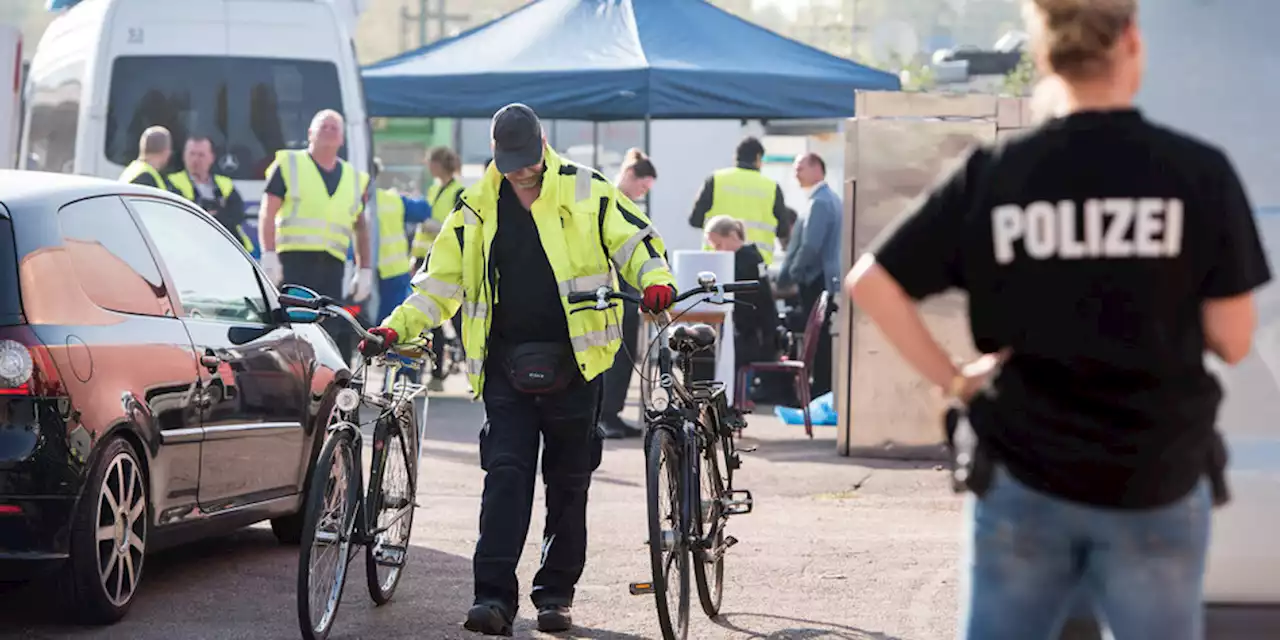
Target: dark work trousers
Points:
(514, 423)
(322, 273)
(617, 380)
(809, 294)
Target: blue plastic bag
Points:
(822, 411)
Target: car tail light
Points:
(10, 510)
(26, 368)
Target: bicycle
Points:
(688, 441)
(339, 512)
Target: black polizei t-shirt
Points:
(529, 307)
(1087, 248)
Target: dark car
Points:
(152, 391)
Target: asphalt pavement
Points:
(836, 548)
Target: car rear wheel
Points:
(108, 537)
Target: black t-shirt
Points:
(1088, 247)
(529, 307)
(276, 186)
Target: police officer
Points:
(533, 229)
(443, 194)
(748, 195)
(212, 192)
(1103, 255)
(155, 146)
(310, 209)
(394, 213)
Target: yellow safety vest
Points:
(393, 246)
(580, 216)
(441, 197)
(309, 218)
(181, 182)
(749, 196)
(139, 167)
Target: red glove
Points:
(369, 348)
(658, 298)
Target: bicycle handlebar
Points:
(603, 294)
(329, 306)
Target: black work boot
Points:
(488, 618)
(554, 618)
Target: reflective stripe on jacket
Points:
(588, 230)
(747, 195)
(309, 218)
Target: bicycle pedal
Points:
(641, 588)
(388, 556)
(735, 463)
(729, 541)
(738, 503)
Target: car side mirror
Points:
(299, 291)
(301, 316)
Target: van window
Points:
(112, 261)
(249, 107)
(53, 99)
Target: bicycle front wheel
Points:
(668, 544)
(326, 535)
(392, 490)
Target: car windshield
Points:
(248, 107)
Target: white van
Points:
(10, 93)
(249, 74)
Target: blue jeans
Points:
(1031, 560)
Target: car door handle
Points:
(210, 361)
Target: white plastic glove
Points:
(271, 265)
(362, 285)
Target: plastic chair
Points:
(800, 369)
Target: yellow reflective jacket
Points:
(749, 196)
(576, 208)
(442, 198)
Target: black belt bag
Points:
(540, 367)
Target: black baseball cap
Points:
(517, 138)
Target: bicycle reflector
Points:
(16, 366)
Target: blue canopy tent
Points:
(606, 60)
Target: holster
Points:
(971, 462)
(1217, 469)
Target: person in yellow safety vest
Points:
(744, 193)
(214, 193)
(155, 146)
(442, 195)
(311, 208)
(394, 214)
(533, 229)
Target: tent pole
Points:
(595, 145)
(647, 151)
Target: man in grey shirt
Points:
(812, 263)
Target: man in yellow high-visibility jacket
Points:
(214, 193)
(311, 208)
(533, 229)
(395, 215)
(155, 147)
(742, 192)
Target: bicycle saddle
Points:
(693, 337)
